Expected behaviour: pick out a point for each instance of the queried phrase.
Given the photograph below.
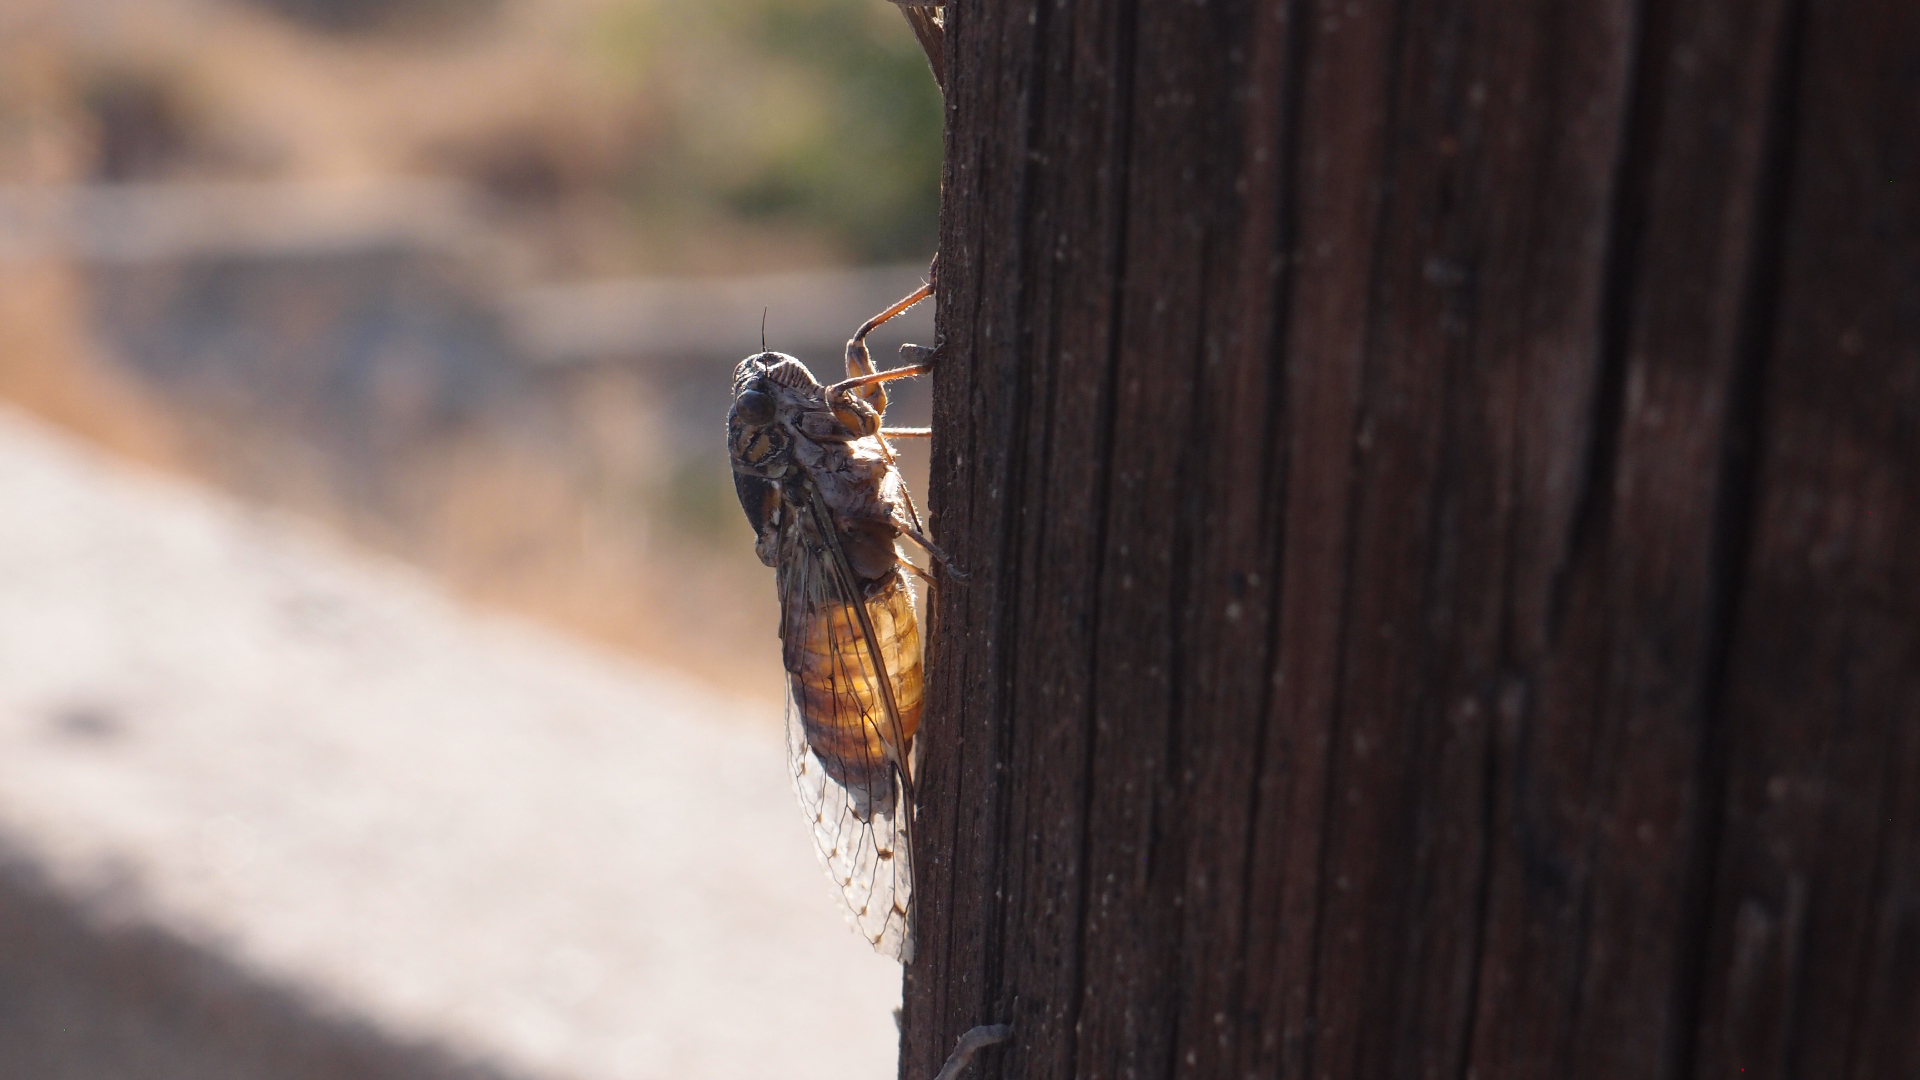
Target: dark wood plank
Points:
(1382, 437)
(1593, 896)
(1231, 521)
(978, 407)
(1332, 197)
(1073, 236)
(1135, 857)
(1816, 918)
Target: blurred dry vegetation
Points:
(280, 245)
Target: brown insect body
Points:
(837, 693)
(827, 506)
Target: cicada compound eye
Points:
(753, 407)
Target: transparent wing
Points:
(878, 889)
(846, 748)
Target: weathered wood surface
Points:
(1441, 484)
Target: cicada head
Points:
(772, 369)
(759, 444)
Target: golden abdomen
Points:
(838, 689)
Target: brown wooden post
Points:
(1441, 486)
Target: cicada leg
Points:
(869, 384)
(860, 362)
(933, 551)
(841, 392)
(875, 378)
(931, 582)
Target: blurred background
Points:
(386, 680)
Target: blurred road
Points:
(306, 765)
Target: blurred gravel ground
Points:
(271, 807)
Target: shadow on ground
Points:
(82, 999)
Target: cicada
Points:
(817, 477)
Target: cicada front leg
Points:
(860, 400)
(924, 355)
(916, 360)
(860, 361)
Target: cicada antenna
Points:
(763, 329)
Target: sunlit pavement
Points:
(312, 765)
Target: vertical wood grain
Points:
(1438, 484)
